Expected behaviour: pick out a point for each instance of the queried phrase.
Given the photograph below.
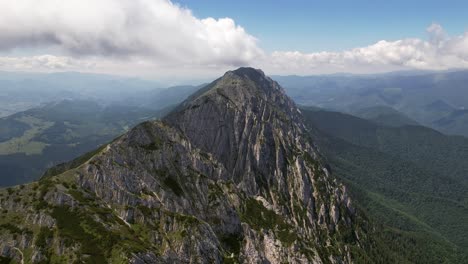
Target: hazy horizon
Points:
(192, 40)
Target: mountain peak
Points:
(235, 112)
(231, 176)
(242, 87)
(249, 72)
(246, 78)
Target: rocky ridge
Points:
(230, 176)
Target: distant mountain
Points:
(32, 140)
(229, 176)
(424, 97)
(385, 115)
(455, 122)
(172, 96)
(439, 106)
(21, 91)
(411, 179)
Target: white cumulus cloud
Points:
(44, 63)
(438, 53)
(155, 38)
(158, 30)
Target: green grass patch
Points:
(232, 243)
(259, 217)
(5, 260)
(97, 242)
(146, 211)
(43, 236)
(152, 146)
(94, 239)
(174, 186)
(13, 229)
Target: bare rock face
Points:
(229, 176)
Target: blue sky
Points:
(173, 39)
(330, 25)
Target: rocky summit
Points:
(229, 176)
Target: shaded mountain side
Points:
(439, 107)
(385, 115)
(170, 97)
(427, 148)
(414, 203)
(231, 176)
(455, 123)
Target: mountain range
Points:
(230, 175)
(236, 173)
(434, 99)
(22, 91)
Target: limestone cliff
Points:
(230, 176)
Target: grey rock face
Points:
(230, 176)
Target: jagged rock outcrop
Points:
(229, 176)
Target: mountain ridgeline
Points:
(434, 99)
(230, 176)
